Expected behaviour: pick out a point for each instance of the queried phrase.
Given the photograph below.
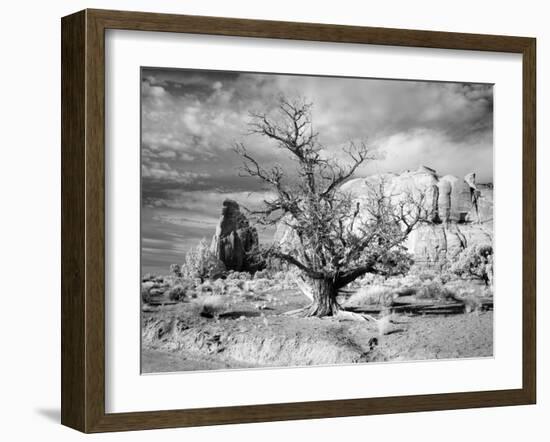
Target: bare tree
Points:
(335, 238)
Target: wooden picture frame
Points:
(83, 220)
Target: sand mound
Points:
(273, 342)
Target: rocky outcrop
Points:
(413, 183)
(448, 199)
(235, 239)
(460, 211)
(431, 244)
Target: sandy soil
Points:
(252, 331)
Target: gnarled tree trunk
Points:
(324, 298)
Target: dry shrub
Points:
(289, 281)
(234, 291)
(149, 285)
(147, 277)
(410, 280)
(466, 288)
(158, 290)
(261, 274)
(435, 290)
(373, 294)
(426, 275)
(471, 304)
(201, 263)
(175, 270)
(171, 281)
(177, 293)
(211, 306)
(258, 285)
(233, 275)
(456, 286)
(476, 262)
(445, 277)
(219, 287)
(279, 276)
(145, 295)
(368, 279)
(384, 324)
(394, 282)
(205, 287)
(488, 291)
(240, 284)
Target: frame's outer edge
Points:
(196, 24)
(529, 221)
(73, 256)
(95, 222)
(83, 218)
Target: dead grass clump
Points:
(158, 290)
(471, 304)
(240, 285)
(410, 280)
(205, 288)
(177, 293)
(149, 285)
(211, 306)
(373, 294)
(384, 324)
(259, 285)
(148, 277)
(145, 295)
(472, 297)
(426, 275)
(488, 291)
(465, 288)
(171, 280)
(233, 275)
(234, 291)
(446, 277)
(289, 281)
(279, 276)
(261, 274)
(435, 290)
(219, 287)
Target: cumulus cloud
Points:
(200, 119)
(163, 172)
(191, 120)
(208, 202)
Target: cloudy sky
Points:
(190, 120)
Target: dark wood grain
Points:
(73, 257)
(145, 21)
(83, 220)
(529, 221)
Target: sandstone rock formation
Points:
(431, 244)
(460, 211)
(235, 239)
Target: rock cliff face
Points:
(234, 239)
(460, 211)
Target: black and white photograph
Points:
(302, 220)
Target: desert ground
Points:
(243, 321)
